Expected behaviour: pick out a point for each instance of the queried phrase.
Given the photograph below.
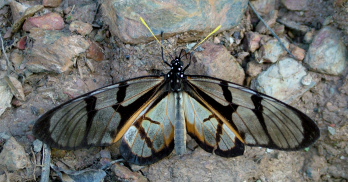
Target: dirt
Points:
(326, 103)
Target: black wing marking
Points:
(98, 118)
(255, 118)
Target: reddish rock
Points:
(124, 173)
(95, 51)
(51, 3)
(22, 43)
(298, 52)
(216, 61)
(49, 21)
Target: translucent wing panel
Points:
(256, 119)
(151, 137)
(97, 118)
(208, 130)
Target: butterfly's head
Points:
(176, 74)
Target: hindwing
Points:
(253, 118)
(151, 136)
(100, 117)
(209, 131)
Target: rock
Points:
(16, 58)
(17, 9)
(29, 12)
(46, 53)
(90, 175)
(307, 80)
(37, 145)
(3, 3)
(279, 29)
(51, 3)
(3, 65)
(264, 6)
(294, 25)
(271, 51)
(82, 11)
(270, 19)
(5, 95)
(22, 43)
(252, 41)
(327, 53)
(80, 27)
(125, 173)
(95, 51)
(282, 80)
(295, 5)
(298, 52)
(172, 17)
(254, 68)
(49, 21)
(13, 156)
(309, 36)
(216, 61)
(16, 88)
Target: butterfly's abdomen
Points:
(180, 127)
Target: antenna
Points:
(192, 49)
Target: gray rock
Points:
(294, 25)
(271, 51)
(5, 95)
(3, 3)
(283, 80)
(295, 4)
(172, 17)
(13, 156)
(37, 145)
(327, 53)
(84, 11)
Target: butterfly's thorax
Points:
(176, 75)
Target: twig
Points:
(34, 162)
(269, 28)
(9, 68)
(45, 171)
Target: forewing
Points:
(255, 118)
(209, 131)
(98, 118)
(151, 137)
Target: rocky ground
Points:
(53, 51)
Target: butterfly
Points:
(151, 116)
